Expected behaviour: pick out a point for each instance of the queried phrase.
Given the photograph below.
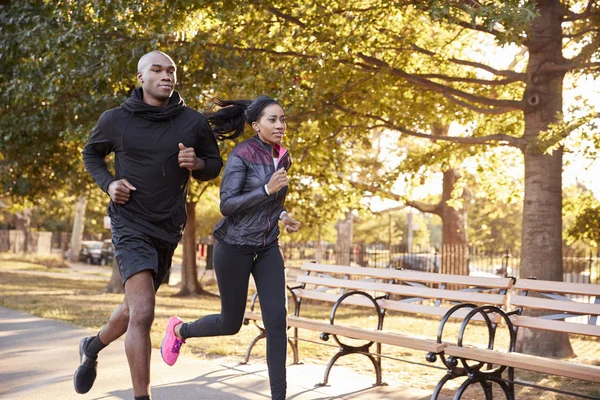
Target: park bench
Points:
(376, 291)
(571, 308)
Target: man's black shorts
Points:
(135, 252)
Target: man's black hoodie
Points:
(145, 140)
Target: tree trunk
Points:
(115, 285)
(23, 224)
(190, 285)
(78, 226)
(318, 247)
(455, 250)
(541, 248)
(344, 239)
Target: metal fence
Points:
(578, 266)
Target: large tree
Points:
(375, 46)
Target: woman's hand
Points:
(278, 180)
(291, 225)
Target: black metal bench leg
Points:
(508, 389)
(487, 390)
(329, 366)
(511, 385)
(438, 388)
(254, 341)
(377, 365)
(294, 345)
(461, 390)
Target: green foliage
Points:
(344, 71)
(587, 226)
(494, 226)
(392, 228)
(581, 217)
(207, 211)
(495, 206)
(509, 18)
(63, 64)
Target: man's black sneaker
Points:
(86, 373)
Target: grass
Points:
(82, 303)
(37, 262)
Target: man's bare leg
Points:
(140, 299)
(116, 325)
(85, 375)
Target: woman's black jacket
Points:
(250, 215)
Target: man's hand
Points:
(187, 158)
(291, 225)
(278, 180)
(119, 191)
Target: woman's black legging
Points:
(233, 267)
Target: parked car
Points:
(417, 262)
(91, 251)
(432, 263)
(108, 252)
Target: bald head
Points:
(153, 57)
(157, 74)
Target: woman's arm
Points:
(232, 184)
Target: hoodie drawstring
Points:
(162, 166)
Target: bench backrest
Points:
(565, 307)
(424, 293)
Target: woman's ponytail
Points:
(228, 121)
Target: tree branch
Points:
(287, 17)
(579, 61)
(263, 51)
(489, 111)
(424, 207)
(496, 138)
(572, 16)
(508, 105)
(418, 205)
(468, 80)
(580, 33)
(507, 73)
(479, 28)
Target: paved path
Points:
(38, 357)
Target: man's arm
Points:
(207, 151)
(95, 151)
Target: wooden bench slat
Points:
(555, 305)
(588, 289)
(253, 315)
(412, 276)
(405, 290)
(554, 325)
(528, 362)
(412, 308)
(333, 297)
(395, 339)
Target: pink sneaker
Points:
(169, 348)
